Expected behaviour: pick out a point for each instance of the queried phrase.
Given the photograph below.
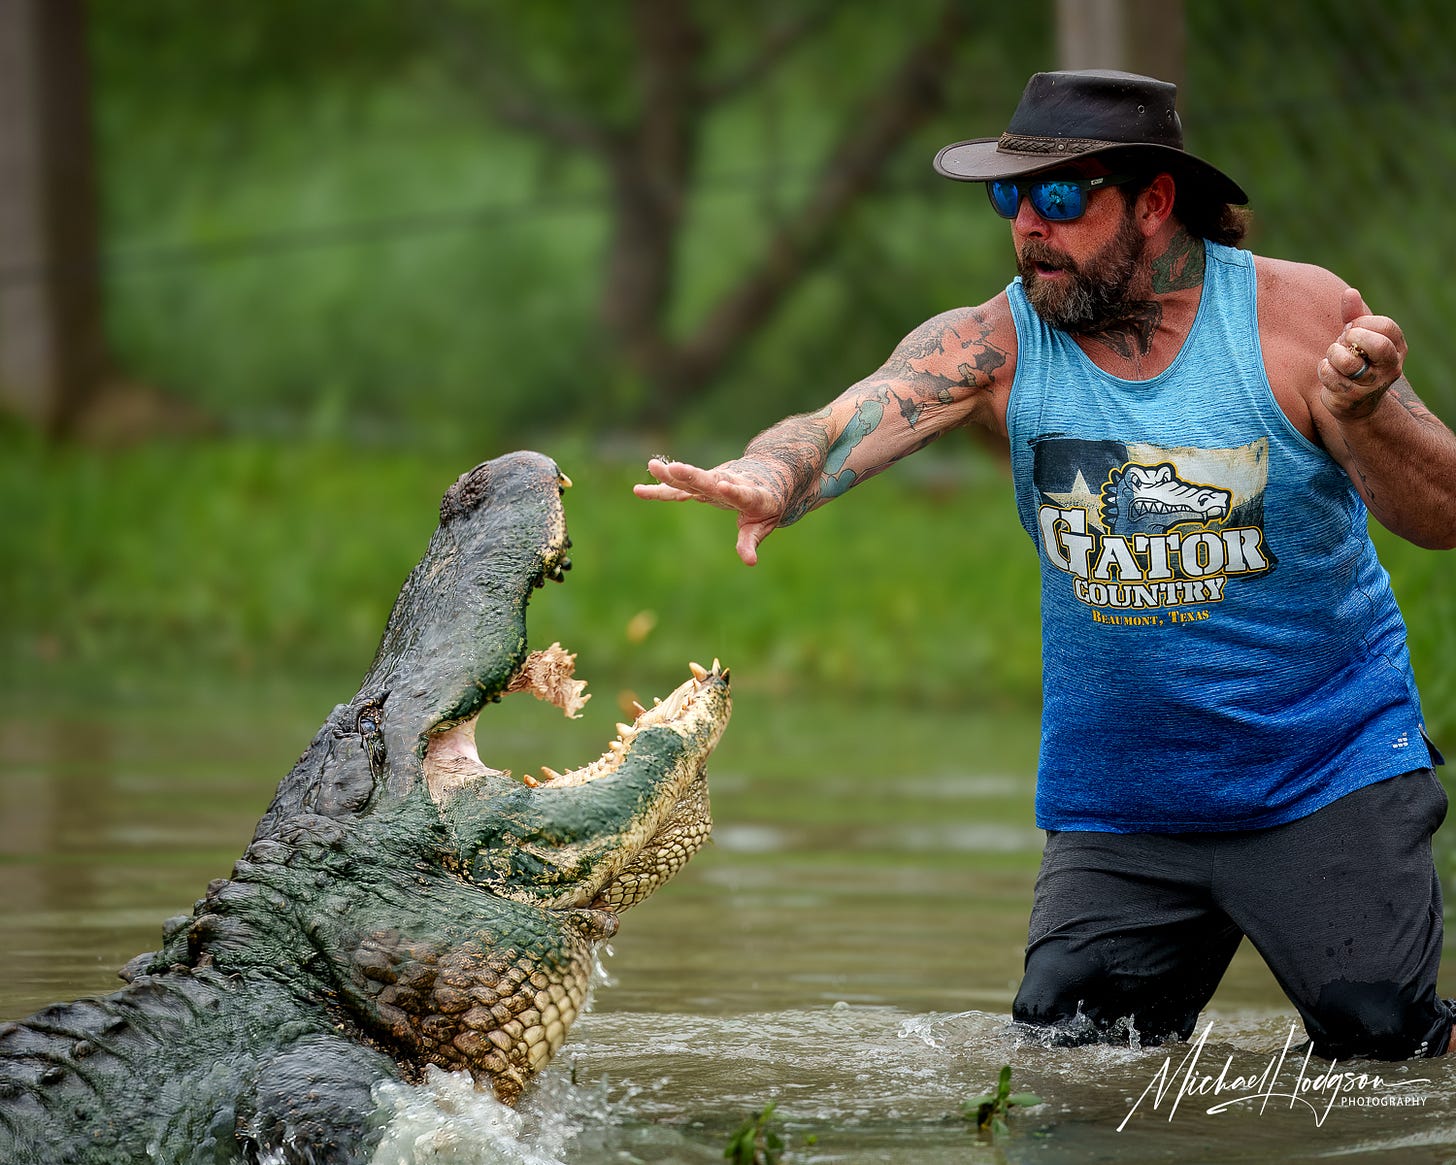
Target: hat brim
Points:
(979, 160)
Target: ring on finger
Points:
(1364, 360)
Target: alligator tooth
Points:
(530, 781)
(717, 665)
(637, 708)
(700, 673)
(624, 730)
(617, 746)
(565, 481)
(548, 773)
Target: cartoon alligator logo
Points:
(1152, 499)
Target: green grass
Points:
(173, 563)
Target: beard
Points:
(1091, 294)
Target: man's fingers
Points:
(1353, 305)
(676, 482)
(684, 476)
(750, 534)
(1353, 360)
(662, 493)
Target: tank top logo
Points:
(1141, 528)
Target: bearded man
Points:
(1232, 741)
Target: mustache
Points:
(1034, 252)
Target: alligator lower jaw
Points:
(452, 760)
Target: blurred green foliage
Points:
(268, 558)
(247, 558)
(315, 223)
(343, 240)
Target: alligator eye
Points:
(367, 726)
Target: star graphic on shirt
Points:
(1079, 497)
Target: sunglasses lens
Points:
(1055, 201)
(1058, 201)
(1005, 198)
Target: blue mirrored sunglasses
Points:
(1055, 199)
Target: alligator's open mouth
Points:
(452, 759)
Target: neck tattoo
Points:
(1180, 266)
(1130, 336)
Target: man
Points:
(1232, 741)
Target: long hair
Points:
(1207, 218)
(1202, 215)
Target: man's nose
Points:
(1027, 221)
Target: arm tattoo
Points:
(957, 355)
(791, 457)
(801, 464)
(1367, 490)
(1403, 395)
(837, 476)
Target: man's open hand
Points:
(740, 485)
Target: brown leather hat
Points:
(1070, 115)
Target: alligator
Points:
(401, 904)
(1152, 499)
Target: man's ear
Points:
(1155, 204)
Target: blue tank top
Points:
(1220, 646)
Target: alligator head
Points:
(445, 912)
(1152, 499)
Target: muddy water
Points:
(847, 949)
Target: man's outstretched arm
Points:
(949, 371)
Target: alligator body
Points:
(401, 903)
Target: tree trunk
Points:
(1138, 36)
(651, 169)
(51, 347)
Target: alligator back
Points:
(182, 1067)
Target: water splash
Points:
(934, 1029)
(448, 1121)
(872, 1083)
(1080, 1030)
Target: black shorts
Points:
(1135, 930)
